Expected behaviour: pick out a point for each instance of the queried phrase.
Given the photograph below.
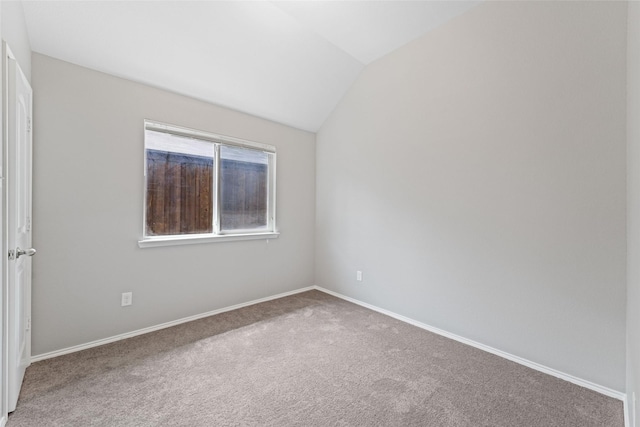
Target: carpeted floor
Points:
(304, 360)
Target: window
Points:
(205, 187)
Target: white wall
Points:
(477, 177)
(88, 165)
(633, 209)
(14, 32)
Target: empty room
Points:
(320, 213)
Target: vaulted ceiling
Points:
(290, 61)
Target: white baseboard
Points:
(533, 365)
(97, 343)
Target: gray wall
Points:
(633, 209)
(477, 177)
(14, 32)
(88, 179)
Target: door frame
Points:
(4, 336)
(4, 249)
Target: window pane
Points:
(179, 185)
(243, 188)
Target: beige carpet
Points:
(305, 360)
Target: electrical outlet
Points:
(127, 298)
(359, 276)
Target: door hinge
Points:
(28, 328)
(28, 223)
(28, 124)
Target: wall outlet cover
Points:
(127, 299)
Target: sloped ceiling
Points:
(290, 62)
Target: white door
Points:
(18, 188)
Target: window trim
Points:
(192, 239)
(217, 234)
(206, 136)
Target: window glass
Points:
(244, 175)
(179, 185)
(204, 184)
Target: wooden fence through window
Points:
(244, 195)
(180, 194)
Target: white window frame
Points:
(217, 235)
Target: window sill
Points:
(199, 238)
